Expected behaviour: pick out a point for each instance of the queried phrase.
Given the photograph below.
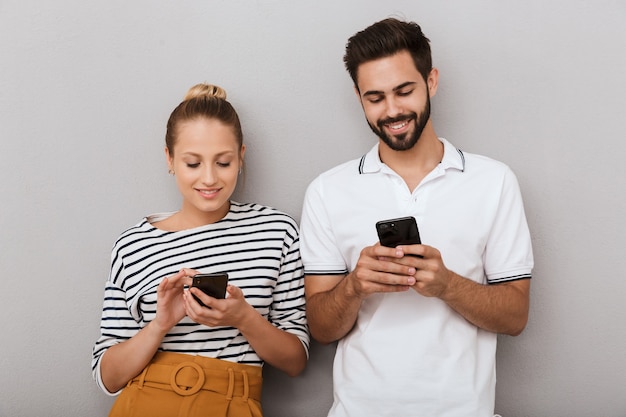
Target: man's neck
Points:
(414, 164)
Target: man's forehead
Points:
(388, 73)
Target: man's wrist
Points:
(348, 287)
(450, 288)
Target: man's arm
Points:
(333, 301)
(499, 308)
(331, 309)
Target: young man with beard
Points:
(417, 334)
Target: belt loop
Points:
(142, 377)
(231, 384)
(246, 386)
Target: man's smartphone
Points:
(401, 231)
(211, 284)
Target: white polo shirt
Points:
(410, 355)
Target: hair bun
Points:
(205, 90)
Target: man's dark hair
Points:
(386, 38)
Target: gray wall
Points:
(85, 91)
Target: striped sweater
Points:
(257, 246)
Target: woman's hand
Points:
(279, 348)
(170, 299)
(233, 311)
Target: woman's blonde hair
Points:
(210, 90)
(203, 101)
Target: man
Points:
(417, 334)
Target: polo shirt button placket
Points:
(418, 203)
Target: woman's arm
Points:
(277, 347)
(123, 361)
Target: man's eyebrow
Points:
(401, 86)
(395, 89)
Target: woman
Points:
(165, 352)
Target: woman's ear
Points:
(242, 151)
(170, 162)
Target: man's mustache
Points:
(401, 118)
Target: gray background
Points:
(85, 91)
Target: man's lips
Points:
(396, 125)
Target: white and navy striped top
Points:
(257, 246)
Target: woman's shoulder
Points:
(143, 229)
(260, 212)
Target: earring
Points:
(170, 171)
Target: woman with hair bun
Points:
(168, 348)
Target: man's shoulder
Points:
(475, 163)
(339, 175)
(345, 169)
(487, 173)
(335, 184)
(484, 160)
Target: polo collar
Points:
(370, 163)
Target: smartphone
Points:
(401, 231)
(211, 284)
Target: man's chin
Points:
(399, 145)
(402, 142)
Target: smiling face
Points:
(206, 160)
(395, 99)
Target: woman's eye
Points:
(223, 164)
(196, 165)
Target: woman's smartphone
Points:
(211, 284)
(401, 231)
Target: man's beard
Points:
(407, 140)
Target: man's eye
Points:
(376, 99)
(404, 93)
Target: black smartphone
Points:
(211, 284)
(401, 231)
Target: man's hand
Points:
(498, 308)
(432, 278)
(378, 270)
(333, 301)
